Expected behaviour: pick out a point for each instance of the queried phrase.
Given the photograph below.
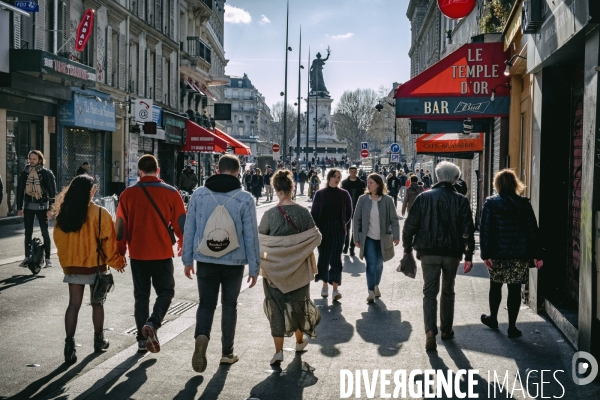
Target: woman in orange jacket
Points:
(75, 236)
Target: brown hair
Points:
(258, 171)
(282, 181)
(38, 153)
(331, 173)
(507, 182)
(228, 163)
(381, 186)
(413, 178)
(148, 164)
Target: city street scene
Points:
(286, 199)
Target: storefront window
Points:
(79, 146)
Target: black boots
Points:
(70, 356)
(100, 344)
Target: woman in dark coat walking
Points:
(510, 242)
(257, 184)
(331, 210)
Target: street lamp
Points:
(300, 67)
(287, 48)
(379, 107)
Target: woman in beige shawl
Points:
(288, 237)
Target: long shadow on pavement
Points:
(191, 388)
(70, 372)
(333, 328)
(216, 384)
(286, 384)
(136, 378)
(353, 265)
(17, 280)
(391, 331)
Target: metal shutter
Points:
(150, 74)
(172, 64)
(496, 150)
(165, 79)
(142, 9)
(159, 79)
(172, 12)
(141, 69)
(109, 50)
(40, 26)
(17, 30)
(122, 59)
(64, 26)
(158, 15)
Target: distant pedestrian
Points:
(296, 178)
(461, 187)
(36, 190)
(415, 189)
(510, 239)
(426, 180)
(188, 179)
(408, 180)
(150, 215)
(393, 186)
(331, 210)
(247, 179)
(376, 231)
(440, 227)
(314, 182)
(267, 177)
(84, 169)
(257, 184)
(288, 237)
(356, 188)
(222, 274)
(76, 237)
(302, 178)
(402, 177)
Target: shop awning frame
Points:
(201, 140)
(237, 146)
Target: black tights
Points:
(513, 302)
(75, 300)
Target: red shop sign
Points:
(84, 30)
(456, 9)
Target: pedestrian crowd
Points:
(218, 235)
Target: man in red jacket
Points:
(147, 213)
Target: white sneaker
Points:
(325, 291)
(48, 263)
(229, 359)
(337, 295)
(302, 346)
(277, 358)
(24, 262)
(377, 292)
(371, 297)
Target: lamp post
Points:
(300, 67)
(379, 107)
(287, 48)
(307, 98)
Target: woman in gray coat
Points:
(376, 227)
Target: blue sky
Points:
(369, 42)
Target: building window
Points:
(241, 131)
(239, 83)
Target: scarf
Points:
(32, 185)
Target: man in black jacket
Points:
(302, 178)
(36, 190)
(440, 227)
(356, 188)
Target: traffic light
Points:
(291, 149)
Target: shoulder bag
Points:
(103, 283)
(287, 218)
(169, 228)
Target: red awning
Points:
(435, 143)
(208, 93)
(237, 146)
(201, 140)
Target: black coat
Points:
(508, 229)
(1, 190)
(440, 223)
(47, 183)
(257, 185)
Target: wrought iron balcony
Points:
(197, 48)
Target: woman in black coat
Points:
(510, 242)
(257, 184)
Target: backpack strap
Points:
(210, 191)
(287, 217)
(155, 207)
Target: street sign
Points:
(29, 6)
(395, 148)
(364, 146)
(142, 110)
(395, 158)
(275, 148)
(150, 128)
(364, 153)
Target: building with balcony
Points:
(250, 116)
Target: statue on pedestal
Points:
(317, 84)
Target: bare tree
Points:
(353, 116)
(276, 133)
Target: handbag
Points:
(169, 228)
(103, 283)
(408, 265)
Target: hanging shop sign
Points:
(456, 9)
(222, 111)
(88, 111)
(174, 126)
(449, 143)
(458, 86)
(36, 62)
(84, 30)
(143, 110)
(29, 6)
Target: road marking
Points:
(121, 362)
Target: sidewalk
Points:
(352, 336)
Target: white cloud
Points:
(264, 20)
(236, 15)
(346, 36)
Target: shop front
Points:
(85, 132)
(174, 127)
(201, 149)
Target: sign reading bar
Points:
(84, 30)
(458, 86)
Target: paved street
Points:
(351, 336)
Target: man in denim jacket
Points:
(227, 271)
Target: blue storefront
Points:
(85, 127)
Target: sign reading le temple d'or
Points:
(458, 86)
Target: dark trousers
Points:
(433, 267)
(228, 278)
(147, 273)
(28, 219)
(349, 239)
(395, 197)
(329, 265)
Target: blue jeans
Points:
(374, 262)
